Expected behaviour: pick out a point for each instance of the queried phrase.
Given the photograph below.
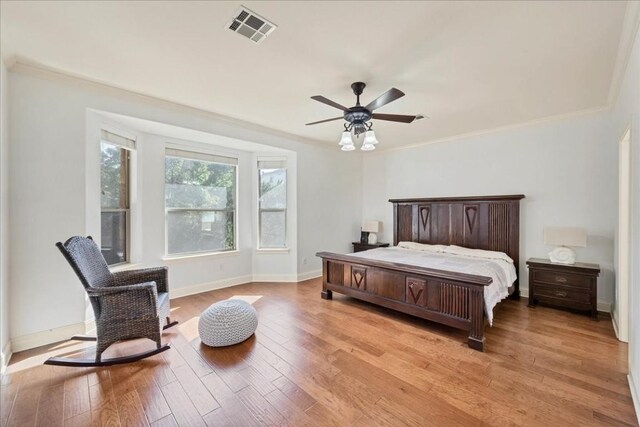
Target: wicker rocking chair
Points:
(127, 305)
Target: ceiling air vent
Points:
(251, 25)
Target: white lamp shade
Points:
(346, 139)
(367, 147)
(348, 147)
(565, 236)
(371, 226)
(370, 138)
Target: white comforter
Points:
(502, 272)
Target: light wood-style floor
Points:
(340, 362)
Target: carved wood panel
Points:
(416, 291)
(359, 278)
(499, 230)
(454, 300)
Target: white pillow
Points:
(422, 247)
(477, 253)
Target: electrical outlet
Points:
(304, 261)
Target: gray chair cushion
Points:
(227, 322)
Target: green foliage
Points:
(200, 185)
(111, 176)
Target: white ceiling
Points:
(469, 66)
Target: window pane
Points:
(199, 184)
(114, 237)
(114, 177)
(199, 231)
(272, 229)
(205, 194)
(273, 188)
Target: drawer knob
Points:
(561, 294)
(561, 279)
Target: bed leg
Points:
(476, 343)
(476, 334)
(326, 293)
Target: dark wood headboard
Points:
(482, 222)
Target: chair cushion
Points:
(163, 307)
(227, 322)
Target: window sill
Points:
(272, 251)
(124, 267)
(187, 257)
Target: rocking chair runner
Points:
(128, 304)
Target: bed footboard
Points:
(453, 299)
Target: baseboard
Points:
(288, 278)
(634, 396)
(209, 286)
(604, 306)
(36, 339)
(615, 326)
(309, 275)
(5, 357)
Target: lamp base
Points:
(563, 255)
(373, 238)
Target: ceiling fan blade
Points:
(387, 97)
(327, 101)
(327, 120)
(393, 117)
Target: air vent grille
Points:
(251, 25)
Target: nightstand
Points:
(359, 247)
(568, 286)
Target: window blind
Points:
(191, 155)
(120, 141)
(273, 163)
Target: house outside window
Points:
(200, 202)
(272, 203)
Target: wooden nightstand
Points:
(569, 286)
(359, 247)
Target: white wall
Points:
(4, 216)
(625, 113)
(566, 169)
(50, 201)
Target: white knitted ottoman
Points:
(227, 322)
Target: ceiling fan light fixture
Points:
(367, 147)
(348, 147)
(370, 138)
(346, 139)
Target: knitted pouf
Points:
(227, 322)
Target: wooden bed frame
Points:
(450, 298)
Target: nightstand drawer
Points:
(562, 279)
(562, 294)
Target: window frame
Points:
(128, 146)
(196, 151)
(282, 165)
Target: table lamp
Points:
(563, 237)
(371, 227)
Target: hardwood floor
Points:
(337, 363)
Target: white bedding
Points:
(502, 272)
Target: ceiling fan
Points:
(358, 117)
